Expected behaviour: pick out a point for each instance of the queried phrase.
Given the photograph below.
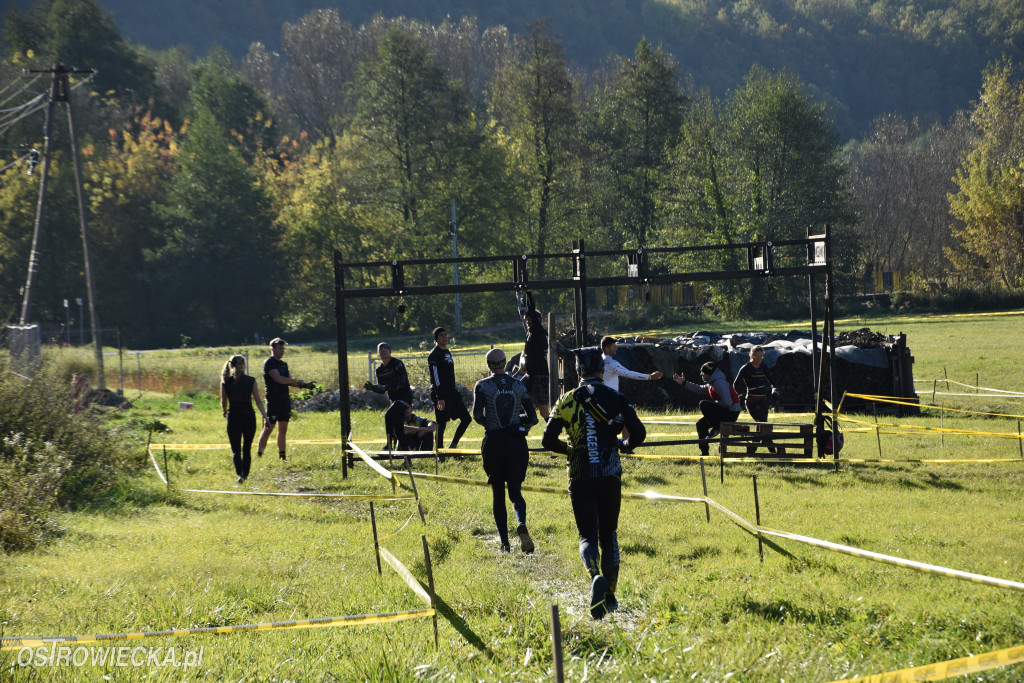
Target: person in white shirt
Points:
(613, 369)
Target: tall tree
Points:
(533, 99)
(638, 125)
(989, 202)
(218, 267)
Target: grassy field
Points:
(697, 603)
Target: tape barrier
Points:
(224, 446)
(947, 382)
(342, 496)
(7, 644)
(947, 669)
(890, 399)
(374, 465)
(743, 523)
(158, 472)
(406, 575)
(398, 530)
(897, 561)
(923, 428)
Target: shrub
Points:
(51, 458)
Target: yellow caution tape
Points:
(944, 430)
(7, 644)
(223, 446)
(374, 465)
(406, 575)
(343, 496)
(398, 530)
(890, 399)
(947, 669)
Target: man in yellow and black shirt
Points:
(592, 416)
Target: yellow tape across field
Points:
(319, 622)
(947, 669)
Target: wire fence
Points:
(176, 371)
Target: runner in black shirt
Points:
(392, 379)
(756, 382)
(592, 416)
(237, 393)
(279, 403)
(534, 362)
(448, 404)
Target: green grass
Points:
(697, 602)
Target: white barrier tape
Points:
(342, 496)
(406, 575)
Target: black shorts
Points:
(505, 457)
(538, 387)
(454, 409)
(279, 411)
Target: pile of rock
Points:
(360, 399)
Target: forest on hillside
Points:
(864, 59)
(217, 187)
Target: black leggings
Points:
(714, 416)
(595, 505)
(515, 494)
(241, 430)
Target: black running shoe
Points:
(598, 589)
(524, 539)
(610, 603)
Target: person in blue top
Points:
(237, 394)
(592, 416)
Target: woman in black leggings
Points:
(237, 393)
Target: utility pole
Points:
(454, 230)
(59, 92)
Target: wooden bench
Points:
(752, 439)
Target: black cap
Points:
(437, 331)
(589, 361)
(707, 368)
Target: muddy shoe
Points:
(598, 589)
(524, 539)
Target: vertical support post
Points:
(344, 409)
(878, 435)
(167, 472)
(376, 542)
(90, 277)
(757, 519)
(935, 383)
(721, 468)
(1020, 444)
(977, 383)
(455, 257)
(579, 274)
(408, 465)
(942, 425)
(37, 229)
(556, 645)
(430, 585)
(704, 484)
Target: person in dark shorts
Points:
(534, 362)
(279, 403)
(592, 416)
(392, 378)
(237, 393)
(502, 405)
(756, 382)
(723, 405)
(448, 404)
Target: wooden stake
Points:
(757, 518)
(704, 483)
(1020, 443)
(376, 543)
(556, 645)
(430, 585)
(408, 464)
(878, 435)
(167, 472)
